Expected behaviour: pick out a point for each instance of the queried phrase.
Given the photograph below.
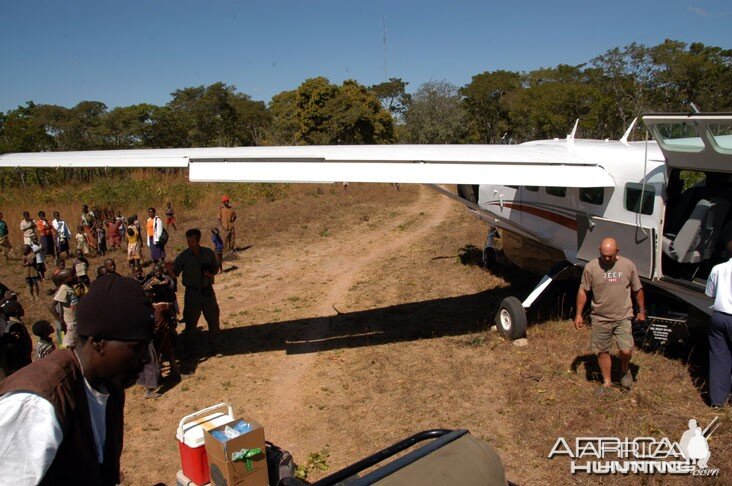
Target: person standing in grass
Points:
(612, 279)
(218, 247)
(134, 251)
(227, 219)
(67, 299)
(62, 234)
(27, 227)
(45, 232)
(31, 271)
(719, 287)
(40, 258)
(198, 265)
(101, 240)
(170, 216)
(81, 267)
(5, 247)
(154, 228)
(113, 232)
(82, 242)
(89, 225)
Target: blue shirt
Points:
(217, 241)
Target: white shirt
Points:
(719, 287)
(157, 229)
(38, 252)
(30, 434)
(61, 228)
(98, 411)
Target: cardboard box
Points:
(225, 470)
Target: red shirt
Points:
(44, 227)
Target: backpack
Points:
(163, 240)
(280, 466)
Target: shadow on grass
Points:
(592, 368)
(404, 322)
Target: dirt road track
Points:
(334, 266)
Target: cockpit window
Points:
(681, 137)
(722, 135)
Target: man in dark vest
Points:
(62, 417)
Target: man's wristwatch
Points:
(641, 311)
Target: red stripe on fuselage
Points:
(543, 214)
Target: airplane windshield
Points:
(679, 136)
(696, 142)
(722, 135)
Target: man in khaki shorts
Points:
(611, 279)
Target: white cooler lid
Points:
(191, 433)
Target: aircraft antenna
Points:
(624, 138)
(574, 130)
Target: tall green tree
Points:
(436, 115)
(393, 96)
(484, 99)
(692, 74)
(329, 114)
(285, 122)
(218, 115)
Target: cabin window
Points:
(633, 202)
(592, 195)
(532, 188)
(557, 191)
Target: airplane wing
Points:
(526, 165)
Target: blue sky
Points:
(127, 52)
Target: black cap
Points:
(115, 308)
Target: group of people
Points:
(97, 233)
(62, 415)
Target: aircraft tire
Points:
(511, 319)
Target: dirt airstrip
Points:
(350, 329)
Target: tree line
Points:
(605, 93)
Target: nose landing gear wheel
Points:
(511, 319)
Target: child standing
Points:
(219, 246)
(40, 257)
(134, 250)
(81, 265)
(81, 242)
(31, 272)
(67, 299)
(170, 216)
(43, 330)
(101, 240)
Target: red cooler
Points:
(190, 439)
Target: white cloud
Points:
(699, 11)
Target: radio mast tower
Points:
(386, 77)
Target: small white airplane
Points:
(554, 200)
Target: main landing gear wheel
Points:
(511, 319)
